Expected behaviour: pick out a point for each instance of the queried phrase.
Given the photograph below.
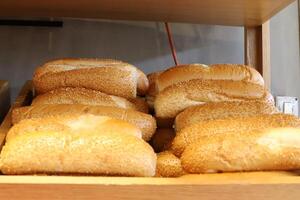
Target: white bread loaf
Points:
(108, 76)
(82, 96)
(188, 72)
(168, 165)
(146, 123)
(219, 110)
(162, 139)
(84, 144)
(195, 132)
(270, 149)
(174, 99)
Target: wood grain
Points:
(224, 12)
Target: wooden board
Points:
(4, 99)
(227, 186)
(225, 12)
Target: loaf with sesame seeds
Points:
(256, 150)
(168, 165)
(109, 76)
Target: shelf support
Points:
(257, 50)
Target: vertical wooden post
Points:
(257, 50)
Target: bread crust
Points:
(219, 110)
(174, 99)
(270, 149)
(146, 123)
(82, 96)
(162, 139)
(84, 144)
(195, 132)
(168, 165)
(108, 76)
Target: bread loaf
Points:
(162, 139)
(82, 96)
(108, 76)
(195, 132)
(270, 149)
(168, 165)
(146, 123)
(214, 72)
(84, 144)
(174, 99)
(140, 104)
(219, 110)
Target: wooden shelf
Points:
(223, 12)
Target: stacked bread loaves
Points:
(224, 119)
(86, 119)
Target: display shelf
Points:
(227, 186)
(223, 12)
(4, 99)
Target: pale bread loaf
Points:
(84, 144)
(82, 96)
(114, 78)
(211, 128)
(162, 139)
(270, 149)
(174, 99)
(168, 165)
(219, 110)
(146, 123)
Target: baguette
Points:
(213, 72)
(146, 123)
(108, 76)
(195, 132)
(82, 96)
(168, 165)
(142, 84)
(162, 139)
(219, 110)
(174, 99)
(140, 104)
(84, 144)
(270, 149)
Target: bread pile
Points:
(224, 121)
(88, 117)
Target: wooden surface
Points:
(4, 99)
(257, 50)
(227, 186)
(225, 12)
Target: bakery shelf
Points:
(223, 12)
(4, 99)
(240, 186)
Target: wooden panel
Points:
(226, 12)
(257, 50)
(4, 99)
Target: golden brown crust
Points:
(162, 139)
(213, 72)
(82, 96)
(271, 149)
(85, 144)
(108, 76)
(140, 104)
(168, 165)
(219, 110)
(146, 123)
(196, 131)
(174, 99)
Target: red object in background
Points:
(171, 43)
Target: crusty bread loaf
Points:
(270, 149)
(168, 165)
(84, 144)
(153, 88)
(214, 72)
(140, 104)
(196, 131)
(162, 139)
(82, 96)
(146, 123)
(108, 76)
(174, 99)
(219, 110)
